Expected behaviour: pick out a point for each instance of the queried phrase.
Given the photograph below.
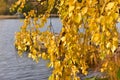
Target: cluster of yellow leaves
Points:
(88, 34)
(18, 4)
(27, 38)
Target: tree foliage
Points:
(88, 36)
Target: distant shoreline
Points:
(9, 17)
(18, 17)
(54, 15)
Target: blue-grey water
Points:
(13, 67)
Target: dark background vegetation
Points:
(6, 4)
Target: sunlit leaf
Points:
(84, 10)
(78, 18)
(110, 5)
(96, 37)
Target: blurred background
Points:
(40, 8)
(5, 5)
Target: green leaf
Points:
(93, 78)
(118, 74)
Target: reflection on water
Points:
(13, 67)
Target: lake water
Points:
(13, 67)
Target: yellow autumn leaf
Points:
(116, 16)
(96, 37)
(113, 48)
(84, 10)
(57, 64)
(63, 38)
(115, 38)
(50, 65)
(61, 2)
(29, 55)
(118, 19)
(78, 6)
(33, 57)
(19, 47)
(77, 18)
(18, 2)
(71, 2)
(51, 77)
(20, 53)
(105, 64)
(109, 6)
(108, 45)
(101, 70)
(107, 33)
(71, 8)
(44, 55)
(39, 55)
(38, 0)
(85, 72)
(67, 78)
